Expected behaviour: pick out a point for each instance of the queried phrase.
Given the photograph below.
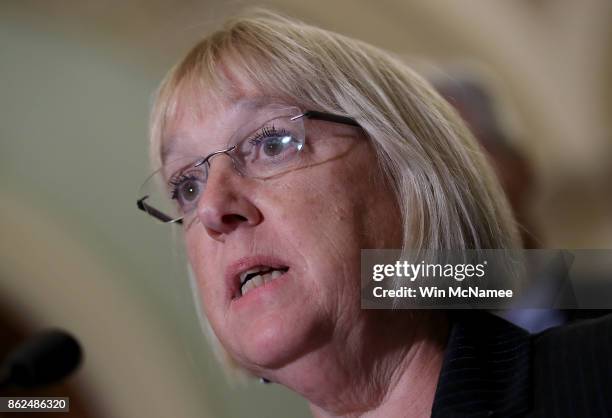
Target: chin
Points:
(276, 340)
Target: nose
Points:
(224, 207)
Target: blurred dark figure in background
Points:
(477, 107)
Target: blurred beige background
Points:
(76, 79)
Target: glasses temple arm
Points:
(154, 212)
(313, 114)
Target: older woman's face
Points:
(308, 224)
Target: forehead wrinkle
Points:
(243, 104)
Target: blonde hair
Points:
(447, 192)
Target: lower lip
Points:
(260, 293)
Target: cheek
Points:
(312, 215)
(350, 207)
(325, 217)
(209, 279)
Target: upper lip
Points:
(233, 271)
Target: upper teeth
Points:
(266, 274)
(244, 274)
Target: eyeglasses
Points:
(171, 194)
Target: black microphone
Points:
(43, 359)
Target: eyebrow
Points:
(249, 103)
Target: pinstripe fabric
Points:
(573, 370)
(486, 369)
(494, 369)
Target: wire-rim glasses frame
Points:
(309, 114)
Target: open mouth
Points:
(258, 276)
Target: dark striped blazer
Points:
(493, 368)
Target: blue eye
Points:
(273, 142)
(274, 146)
(186, 190)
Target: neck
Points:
(389, 367)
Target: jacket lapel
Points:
(486, 370)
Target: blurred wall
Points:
(75, 82)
